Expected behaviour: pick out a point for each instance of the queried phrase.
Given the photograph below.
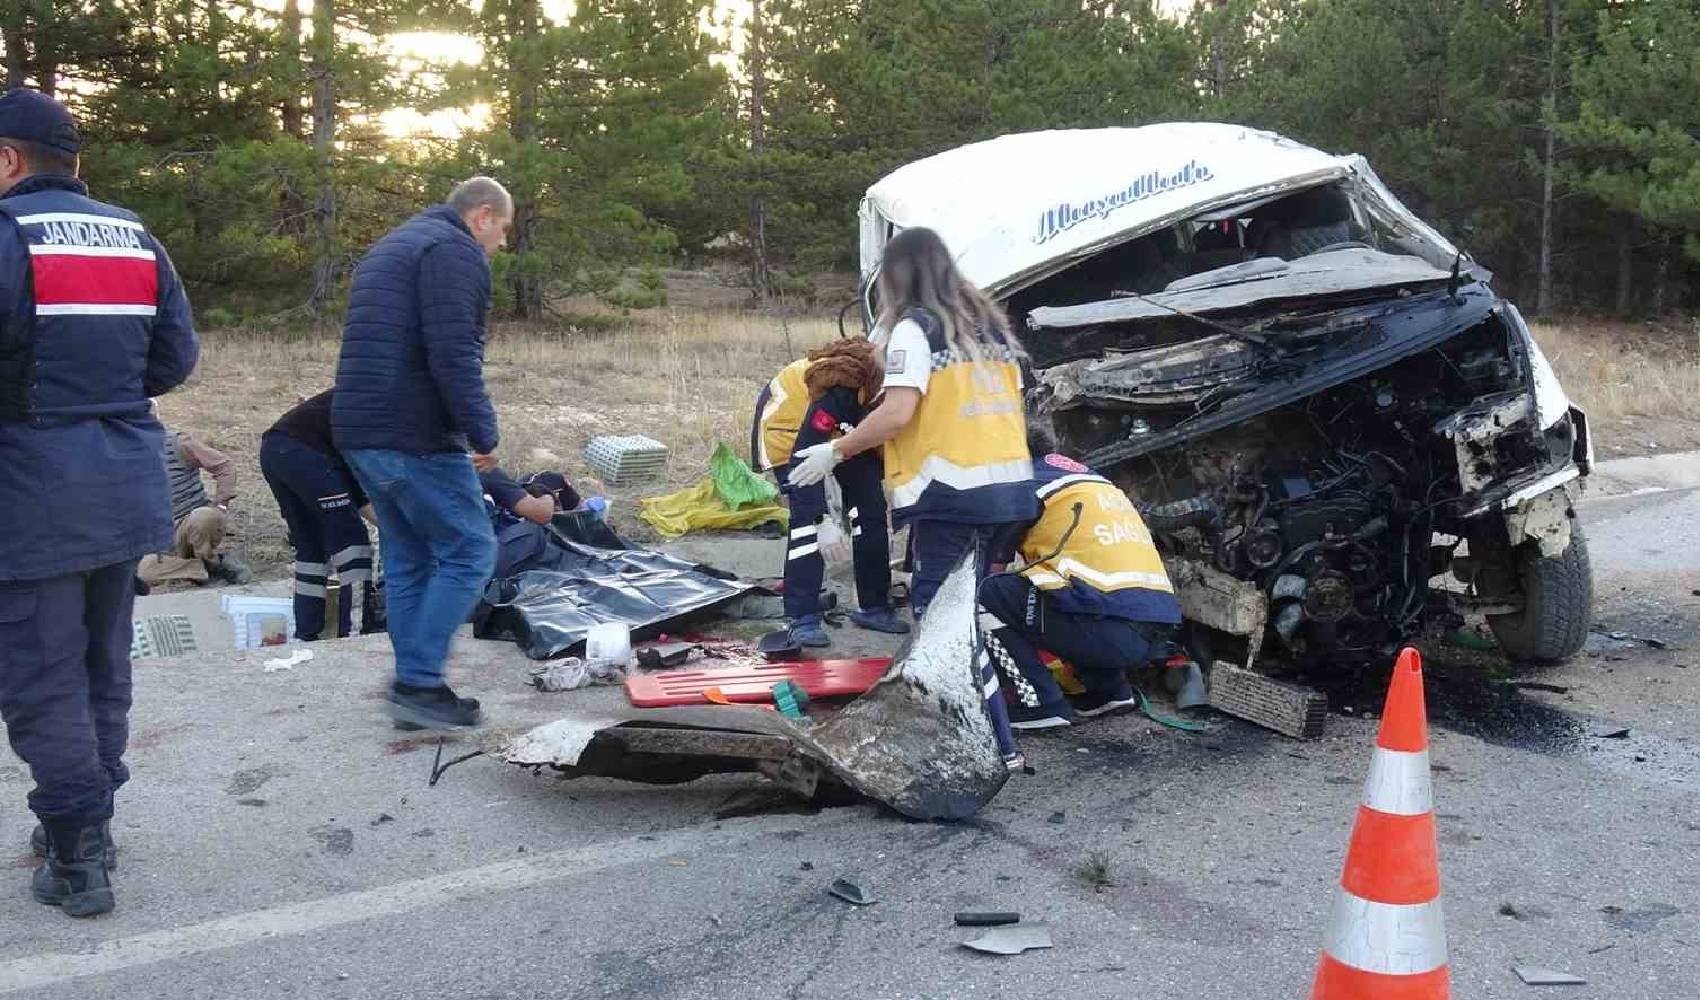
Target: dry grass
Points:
(689, 378)
(685, 378)
(1639, 384)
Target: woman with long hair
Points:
(950, 420)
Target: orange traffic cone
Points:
(1387, 940)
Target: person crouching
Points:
(1093, 591)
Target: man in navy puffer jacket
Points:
(412, 419)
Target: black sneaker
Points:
(415, 708)
(1029, 719)
(1094, 704)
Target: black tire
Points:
(1558, 604)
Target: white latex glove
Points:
(812, 464)
(834, 543)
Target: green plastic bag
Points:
(737, 484)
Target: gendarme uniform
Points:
(93, 321)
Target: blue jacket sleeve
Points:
(502, 488)
(173, 347)
(454, 292)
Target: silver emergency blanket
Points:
(549, 610)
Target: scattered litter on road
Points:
(1540, 686)
(289, 662)
(986, 918)
(1616, 734)
(1533, 976)
(382, 819)
(851, 892)
(573, 673)
(1605, 641)
(1602, 948)
(1012, 939)
(1059, 818)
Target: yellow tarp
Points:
(699, 508)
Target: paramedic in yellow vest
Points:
(1092, 591)
(808, 402)
(950, 420)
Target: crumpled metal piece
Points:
(918, 741)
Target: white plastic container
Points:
(609, 642)
(260, 621)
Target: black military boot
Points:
(38, 844)
(74, 876)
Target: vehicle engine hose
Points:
(1194, 512)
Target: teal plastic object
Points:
(790, 699)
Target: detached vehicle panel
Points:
(1336, 429)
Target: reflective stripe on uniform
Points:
(1065, 482)
(938, 469)
(94, 309)
(1069, 569)
(94, 220)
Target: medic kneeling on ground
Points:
(1092, 591)
(810, 402)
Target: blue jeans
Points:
(438, 548)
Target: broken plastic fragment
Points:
(1012, 939)
(1533, 976)
(987, 918)
(287, 663)
(850, 892)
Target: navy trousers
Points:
(1100, 649)
(870, 542)
(65, 687)
(320, 502)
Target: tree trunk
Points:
(760, 275)
(15, 32)
(1661, 280)
(1625, 265)
(293, 120)
(1218, 57)
(324, 144)
(1543, 287)
(523, 82)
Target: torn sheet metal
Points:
(550, 611)
(1545, 520)
(1252, 282)
(919, 741)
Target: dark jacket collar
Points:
(48, 182)
(448, 214)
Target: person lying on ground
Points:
(201, 525)
(1092, 591)
(323, 505)
(811, 401)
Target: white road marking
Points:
(273, 923)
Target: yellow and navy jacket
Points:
(1107, 566)
(788, 421)
(963, 456)
(779, 416)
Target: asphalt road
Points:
(280, 840)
